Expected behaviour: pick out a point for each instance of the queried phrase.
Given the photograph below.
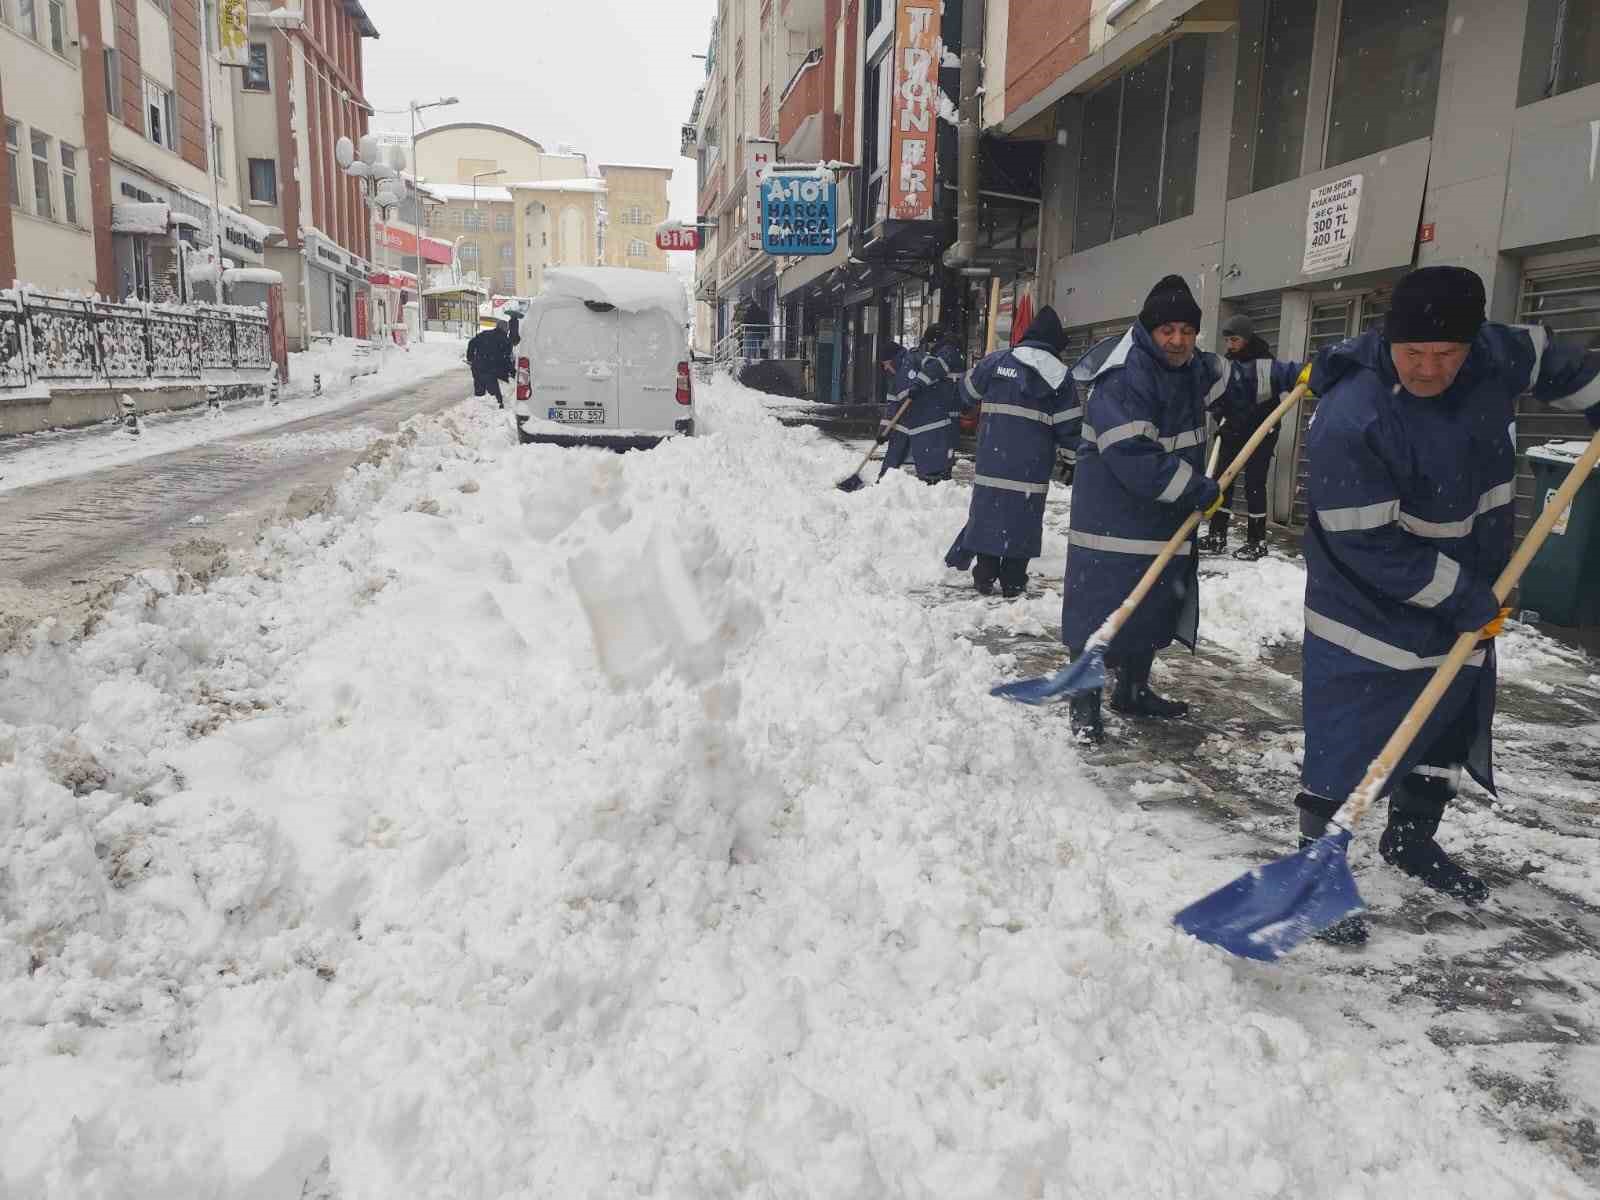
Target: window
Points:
(457, 218)
(69, 184)
(473, 218)
(160, 115)
(41, 174)
(263, 181)
(507, 254)
(27, 19)
(58, 26)
(1281, 107)
(636, 249)
(113, 61)
(502, 222)
(469, 256)
(257, 76)
(530, 270)
(219, 161)
(1561, 51)
(1139, 150)
(14, 162)
(1386, 76)
(508, 281)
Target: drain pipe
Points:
(966, 245)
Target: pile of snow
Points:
(531, 821)
(628, 289)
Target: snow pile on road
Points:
(348, 369)
(368, 863)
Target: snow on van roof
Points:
(628, 289)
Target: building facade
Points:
(636, 202)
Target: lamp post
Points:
(422, 305)
(379, 170)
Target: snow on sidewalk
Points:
(369, 857)
(347, 376)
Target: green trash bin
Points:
(1562, 584)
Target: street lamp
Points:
(416, 107)
(379, 169)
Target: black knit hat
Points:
(1170, 301)
(1239, 326)
(1436, 304)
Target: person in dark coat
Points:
(757, 324)
(1140, 472)
(1411, 484)
(1256, 382)
(489, 354)
(934, 376)
(1030, 411)
(897, 444)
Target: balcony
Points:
(802, 16)
(800, 113)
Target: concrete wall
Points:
(70, 409)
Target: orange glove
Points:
(1495, 627)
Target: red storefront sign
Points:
(915, 110)
(433, 250)
(678, 237)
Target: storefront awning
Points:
(150, 220)
(397, 279)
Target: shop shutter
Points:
(1082, 337)
(1331, 322)
(1568, 301)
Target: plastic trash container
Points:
(1562, 584)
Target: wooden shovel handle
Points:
(1120, 615)
(1360, 800)
(882, 437)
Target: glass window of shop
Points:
(1138, 153)
(1385, 77)
(1561, 49)
(1286, 44)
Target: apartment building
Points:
(114, 166)
(636, 202)
(1208, 137)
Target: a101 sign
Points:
(799, 214)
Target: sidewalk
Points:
(1511, 988)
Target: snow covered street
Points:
(537, 822)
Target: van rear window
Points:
(599, 306)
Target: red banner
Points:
(433, 250)
(915, 111)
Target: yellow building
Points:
(636, 202)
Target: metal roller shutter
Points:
(1568, 301)
(1331, 322)
(1079, 339)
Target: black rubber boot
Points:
(1133, 695)
(985, 570)
(1255, 545)
(1013, 577)
(1087, 728)
(1315, 813)
(1408, 844)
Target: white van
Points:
(604, 360)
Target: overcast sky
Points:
(612, 77)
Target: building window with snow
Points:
(257, 75)
(14, 162)
(160, 115)
(263, 181)
(41, 175)
(69, 184)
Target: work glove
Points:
(1495, 627)
(1479, 610)
(1305, 379)
(1065, 468)
(1210, 498)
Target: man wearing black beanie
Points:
(1140, 473)
(1411, 466)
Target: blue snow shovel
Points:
(1087, 672)
(1267, 912)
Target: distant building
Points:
(636, 202)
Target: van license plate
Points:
(579, 416)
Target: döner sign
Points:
(912, 146)
(799, 214)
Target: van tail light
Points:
(685, 393)
(524, 384)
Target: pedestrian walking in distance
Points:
(1256, 381)
(489, 354)
(1140, 473)
(1030, 413)
(1411, 478)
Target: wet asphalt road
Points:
(64, 540)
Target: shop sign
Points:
(759, 156)
(1331, 219)
(915, 111)
(233, 33)
(677, 237)
(799, 213)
